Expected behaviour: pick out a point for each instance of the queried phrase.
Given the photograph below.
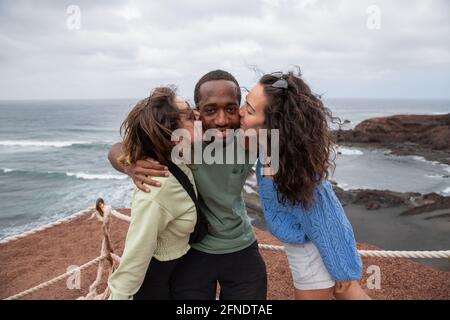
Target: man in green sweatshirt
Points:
(229, 254)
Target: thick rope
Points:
(55, 280)
(106, 254)
(405, 254)
(364, 253)
(106, 251)
(114, 260)
(383, 253)
(47, 226)
(121, 216)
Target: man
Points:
(229, 254)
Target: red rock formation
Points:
(431, 131)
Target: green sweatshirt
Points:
(221, 200)
(161, 223)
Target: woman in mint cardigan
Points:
(299, 204)
(163, 219)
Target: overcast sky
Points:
(124, 48)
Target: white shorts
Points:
(307, 267)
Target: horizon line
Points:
(136, 98)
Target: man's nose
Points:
(221, 119)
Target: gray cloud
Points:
(124, 48)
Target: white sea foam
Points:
(446, 191)
(422, 159)
(434, 176)
(443, 166)
(90, 176)
(347, 187)
(33, 143)
(350, 151)
(344, 186)
(78, 175)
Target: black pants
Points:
(241, 275)
(156, 285)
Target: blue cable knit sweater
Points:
(324, 223)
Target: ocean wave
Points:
(349, 151)
(92, 145)
(439, 113)
(344, 186)
(436, 176)
(7, 170)
(422, 159)
(77, 175)
(446, 191)
(33, 143)
(347, 187)
(91, 176)
(443, 166)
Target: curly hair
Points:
(305, 138)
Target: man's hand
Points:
(142, 170)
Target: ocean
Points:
(53, 157)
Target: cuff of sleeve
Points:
(118, 296)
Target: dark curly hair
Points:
(305, 138)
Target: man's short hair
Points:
(212, 76)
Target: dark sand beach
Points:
(387, 227)
(29, 261)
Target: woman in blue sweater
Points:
(300, 206)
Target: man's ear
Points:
(197, 114)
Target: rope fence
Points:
(47, 226)
(383, 253)
(103, 214)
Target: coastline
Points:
(427, 136)
(403, 149)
